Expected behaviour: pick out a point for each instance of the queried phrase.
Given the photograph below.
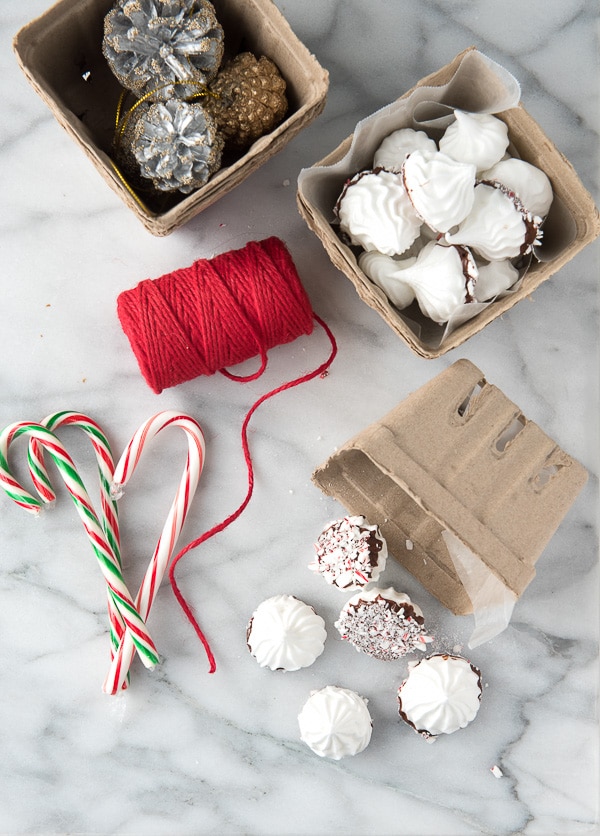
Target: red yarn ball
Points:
(215, 314)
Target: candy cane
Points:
(109, 517)
(109, 565)
(116, 677)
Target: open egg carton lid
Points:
(457, 456)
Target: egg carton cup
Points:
(474, 83)
(466, 491)
(61, 55)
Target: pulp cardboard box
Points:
(61, 55)
(471, 82)
(457, 458)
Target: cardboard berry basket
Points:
(61, 54)
(471, 82)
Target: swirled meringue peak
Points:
(335, 723)
(394, 149)
(498, 226)
(376, 214)
(529, 183)
(440, 188)
(494, 277)
(386, 273)
(441, 694)
(285, 634)
(442, 279)
(477, 138)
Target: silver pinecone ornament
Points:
(150, 44)
(173, 144)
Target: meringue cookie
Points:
(497, 226)
(350, 553)
(393, 150)
(441, 694)
(386, 273)
(440, 188)
(376, 214)
(383, 623)
(286, 634)
(528, 182)
(442, 279)
(494, 278)
(477, 138)
(335, 723)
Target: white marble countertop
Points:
(185, 752)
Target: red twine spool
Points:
(214, 314)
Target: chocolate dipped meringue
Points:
(442, 279)
(529, 183)
(440, 188)
(350, 553)
(498, 226)
(396, 146)
(441, 694)
(335, 723)
(285, 634)
(376, 214)
(386, 273)
(383, 623)
(477, 138)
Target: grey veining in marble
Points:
(183, 752)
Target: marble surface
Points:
(185, 752)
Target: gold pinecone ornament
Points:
(251, 99)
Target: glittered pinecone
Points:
(251, 99)
(150, 43)
(174, 144)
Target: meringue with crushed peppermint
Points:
(531, 185)
(376, 214)
(477, 138)
(396, 146)
(335, 723)
(441, 694)
(285, 634)
(439, 188)
(350, 553)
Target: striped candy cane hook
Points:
(109, 564)
(116, 678)
(109, 516)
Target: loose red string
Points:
(217, 313)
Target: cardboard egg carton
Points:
(61, 54)
(457, 456)
(474, 83)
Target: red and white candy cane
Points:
(106, 467)
(134, 624)
(116, 678)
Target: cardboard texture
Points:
(61, 55)
(457, 455)
(471, 82)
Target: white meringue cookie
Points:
(286, 634)
(335, 723)
(376, 213)
(386, 273)
(441, 694)
(442, 279)
(494, 278)
(477, 138)
(440, 188)
(528, 182)
(393, 150)
(495, 227)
